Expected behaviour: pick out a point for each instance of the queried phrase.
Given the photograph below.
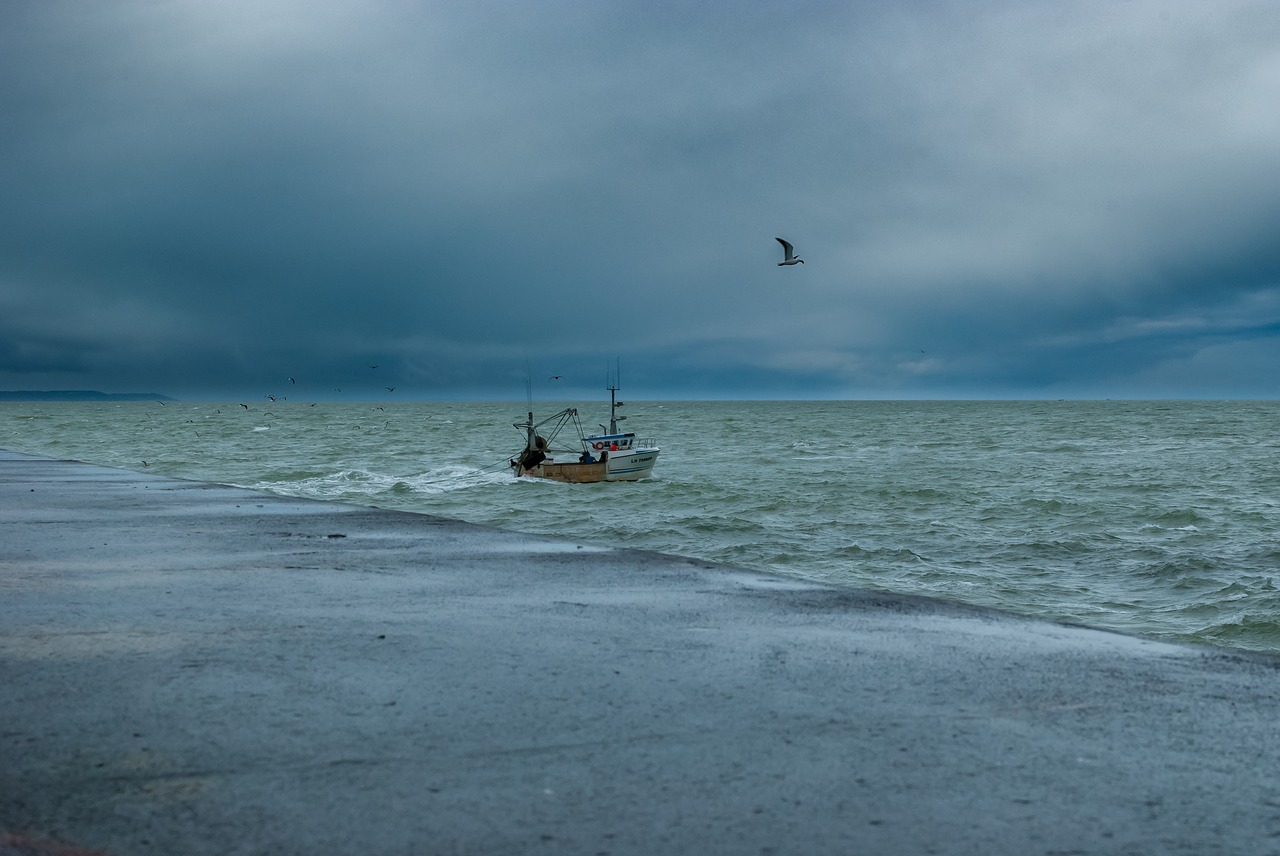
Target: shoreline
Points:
(198, 668)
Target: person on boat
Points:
(586, 458)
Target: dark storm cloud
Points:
(994, 199)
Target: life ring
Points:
(597, 445)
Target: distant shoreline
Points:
(79, 395)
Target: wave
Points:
(1153, 518)
(1254, 630)
(361, 483)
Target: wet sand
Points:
(196, 669)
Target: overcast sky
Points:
(993, 199)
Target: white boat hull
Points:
(620, 466)
(630, 466)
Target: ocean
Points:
(1155, 518)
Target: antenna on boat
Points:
(528, 391)
(614, 385)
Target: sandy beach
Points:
(189, 668)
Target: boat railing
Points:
(599, 443)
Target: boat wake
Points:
(359, 484)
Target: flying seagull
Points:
(791, 257)
(556, 377)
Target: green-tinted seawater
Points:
(1157, 518)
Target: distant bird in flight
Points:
(291, 380)
(790, 251)
(391, 389)
(556, 377)
(373, 367)
(245, 406)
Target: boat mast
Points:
(613, 405)
(531, 431)
(615, 384)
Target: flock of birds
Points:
(789, 258)
(294, 381)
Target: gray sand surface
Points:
(195, 669)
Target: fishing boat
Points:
(610, 456)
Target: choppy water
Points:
(1158, 518)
